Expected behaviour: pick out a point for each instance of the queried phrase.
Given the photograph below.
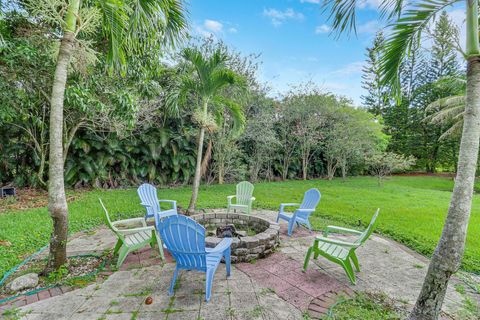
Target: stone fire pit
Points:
(261, 239)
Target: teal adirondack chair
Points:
(133, 238)
(185, 239)
(243, 198)
(340, 252)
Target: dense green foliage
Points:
(422, 81)
(122, 129)
(413, 211)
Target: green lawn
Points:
(413, 210)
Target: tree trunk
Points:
(198, 173)
(57, 202)
(221, 172)
(198, 167)
(304, 168)
(449, 251)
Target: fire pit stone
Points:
(261, 239)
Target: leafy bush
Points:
(383, 164)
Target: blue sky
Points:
(293, 38)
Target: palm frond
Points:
(455, 129)
(447, 114)
(236, 112)
(445, 103)
(406, 31)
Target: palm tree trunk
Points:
(198, 167)
(448, 254)
(57, 202)
(198, 173)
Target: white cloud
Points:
(351, 68)
(369, 27)
(213, 25)
(310, 1)
(322, 29)
(278, 17)
(232, 30)
(369, 4)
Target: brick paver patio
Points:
(270, 288)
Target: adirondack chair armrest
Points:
(135, 230)
(224, 244)
(130, 221)
(230, 198)
(173, 202)
(341, 230)
(337, 242)
(283, 205)
(305, 210)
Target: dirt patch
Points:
(28, 199)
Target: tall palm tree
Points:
(408, 20)
(129, 27)
(204, 82)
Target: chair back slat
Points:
(244, 192)
(148, 195)
(366, 234)
(311, 199)
(109, 221)
(185, 239)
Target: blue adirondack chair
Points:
(149, 199)
(185, 239)
(302, 214)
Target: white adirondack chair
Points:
(243, 198)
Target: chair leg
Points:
(278, 217)
(354, 258)
(291, 225)
(117, 247)
(307, 258)
(349, 270)
(122, 255)
(172, 283)
(208, 285)
(158, 240)
(226, 255)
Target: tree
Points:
(203, 83)
(352, 135)
(382, 164)
(307, 109)
(158, 22)
(408, 22)
(377, 94)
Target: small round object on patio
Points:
(148, 300)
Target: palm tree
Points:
(205, 80)
(129, 28)
(408, 20)
(448, 111)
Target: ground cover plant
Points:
(413, 210)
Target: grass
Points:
(365, 306)
(413, 211)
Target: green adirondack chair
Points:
(340, 252)
(243, 198)
(132, 239)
